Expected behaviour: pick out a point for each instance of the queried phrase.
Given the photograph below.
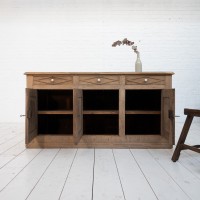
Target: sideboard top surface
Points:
(97, 73)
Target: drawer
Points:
(145, 80)
(99, 80)
(52, 80)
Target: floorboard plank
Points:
(113, 174)
(133, 181)
(4, 159)
(8, 172)
(162, 184)
(10, 154)
(6, 137)
(11, 143)
(51, 183)
(106, 180)
(25, 181)
(183, 177)
(10, 130)
(193, 154)
(190, 163)
(15, 150)
(80, 177)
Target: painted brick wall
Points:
(76, 35)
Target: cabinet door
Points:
(168, 115)
(31, 115)
(78, 115)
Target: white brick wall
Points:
(76, 35)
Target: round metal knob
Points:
(98, 80)
(145, 80)
(52, 80)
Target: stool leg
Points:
(182, 138)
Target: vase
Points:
(138, 64)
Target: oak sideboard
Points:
(99, 109)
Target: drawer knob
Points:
(52, 80)
(98, 80)
(145, 80)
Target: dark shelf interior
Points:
(143, 124)
(143, 100)
(55, 124)
(100, 99)
(55, 99)
(101, 124)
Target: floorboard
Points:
(51, 184)
(132, 177)
(162, 184)
(191, 163)
(11, 153)
(13, 168)
(96, 174)
(25, 181)
(11, 143)
(106, 180)
(181, 175)
(78, 185)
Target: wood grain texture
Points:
(52, 80)
(54, 112)
(120, 81)
(191, 113)
(100, 112)
(96, 73)
(78, 116)
(145, 80)
(31, 114)
(99, 80)
(122, 109)
(140, 112)
(168, 115)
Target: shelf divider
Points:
(100, 112)
(55, 112)
(142, 112)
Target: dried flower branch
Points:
(116, 43)
(125, 41)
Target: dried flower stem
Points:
(125, 41)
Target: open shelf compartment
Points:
(55, 124)
(143, 124)
(101, 124)
(100, 100)
(149, 100)
(55, 100)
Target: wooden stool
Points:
(191, 113)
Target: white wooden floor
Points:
(99, 174)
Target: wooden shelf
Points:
(55, 112)
(142, 112)
(100, 112)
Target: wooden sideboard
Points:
(103, 110)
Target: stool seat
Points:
(191, 113)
